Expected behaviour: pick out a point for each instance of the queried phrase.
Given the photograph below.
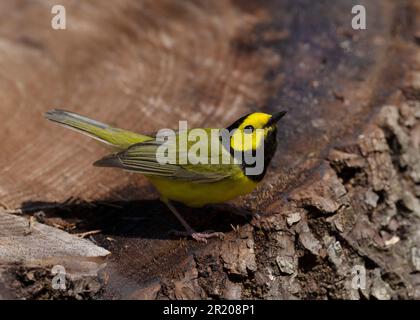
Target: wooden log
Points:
(26, 241)
(341, 192)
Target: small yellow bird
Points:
(193, 184)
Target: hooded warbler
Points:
(191, 182)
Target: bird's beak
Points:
(275, 118)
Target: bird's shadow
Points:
(144, 219)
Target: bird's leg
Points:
(199, 236)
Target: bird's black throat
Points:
(270, 146)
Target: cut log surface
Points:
(137, 65)
(145, 65)
(342, 190)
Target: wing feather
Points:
(141, 158)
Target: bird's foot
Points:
(199, 236)
(203, 236)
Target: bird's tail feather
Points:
(115, 138)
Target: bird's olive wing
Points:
(142, 158)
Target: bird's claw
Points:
(203, 236)
(199, 236)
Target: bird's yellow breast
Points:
(195, 194)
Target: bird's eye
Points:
(249, 128)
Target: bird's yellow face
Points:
(253, 130)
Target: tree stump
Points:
(339, 210)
